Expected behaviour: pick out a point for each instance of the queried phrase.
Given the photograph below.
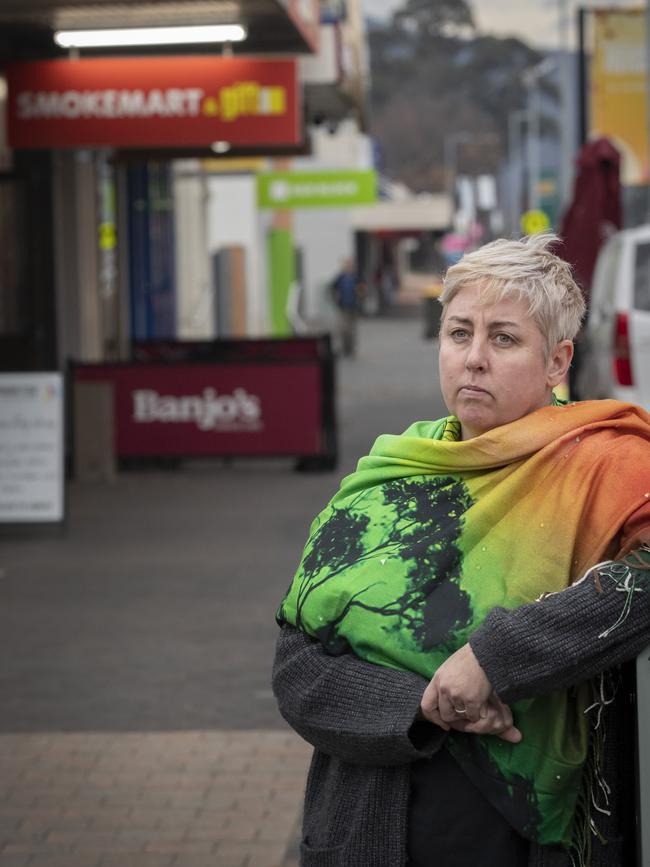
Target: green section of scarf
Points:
(422, 541)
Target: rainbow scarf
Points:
(430, 533)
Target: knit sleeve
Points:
(354, 710)
(570, 636)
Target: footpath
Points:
(137, 724)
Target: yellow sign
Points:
(234, 165)
(618, 88)
(107, 236)
(533, 222)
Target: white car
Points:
(615, 354)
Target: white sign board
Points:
(31, 447)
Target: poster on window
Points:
(31, 448)
(618, 88)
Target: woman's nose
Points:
(476, 358)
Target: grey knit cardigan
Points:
(361, 720)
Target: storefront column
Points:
(281, 262)
(75, 237)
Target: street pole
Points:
(533, 146)
(583, 95)
(451, 142)
(516, 164)
(647, 38)
(568, 138)
(532, 78)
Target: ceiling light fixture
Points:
(220, 147)
(150, 36)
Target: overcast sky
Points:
(535, 21)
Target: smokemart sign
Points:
(332, 189)
(153, 102)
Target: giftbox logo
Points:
(209, 410)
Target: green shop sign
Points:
(316, 189)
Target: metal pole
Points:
(531, 81)
(450, 175)
(563, 24)
(451, 143)
(568, 135)
(583, 83)
(533, 145)
(516, 163)
(643, 720)
(643, 683)
(647, 39)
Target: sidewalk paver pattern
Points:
(137, 725)
(197, 799)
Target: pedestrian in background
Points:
(346, 293)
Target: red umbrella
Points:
(595, 211)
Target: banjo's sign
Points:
(153, 102)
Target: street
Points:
(155, 609)
(152, 616)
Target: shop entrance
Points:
(27, 307)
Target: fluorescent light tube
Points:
(150, 36)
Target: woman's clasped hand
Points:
(459, 696)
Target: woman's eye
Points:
(459, 333)
(504, 339)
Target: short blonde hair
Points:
(529, 270)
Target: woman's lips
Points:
(473, 389)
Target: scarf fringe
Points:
(626, 575)
(595, 792)
(626, 581)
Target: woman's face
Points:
(493, 368)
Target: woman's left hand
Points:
(497, 721)
(459, 690)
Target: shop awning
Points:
(272, 26)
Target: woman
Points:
(438, 647)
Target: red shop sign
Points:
(196, 409)
(153, 102)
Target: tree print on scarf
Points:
(416, 522)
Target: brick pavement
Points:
(173, 799)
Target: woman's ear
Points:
(558, 362)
